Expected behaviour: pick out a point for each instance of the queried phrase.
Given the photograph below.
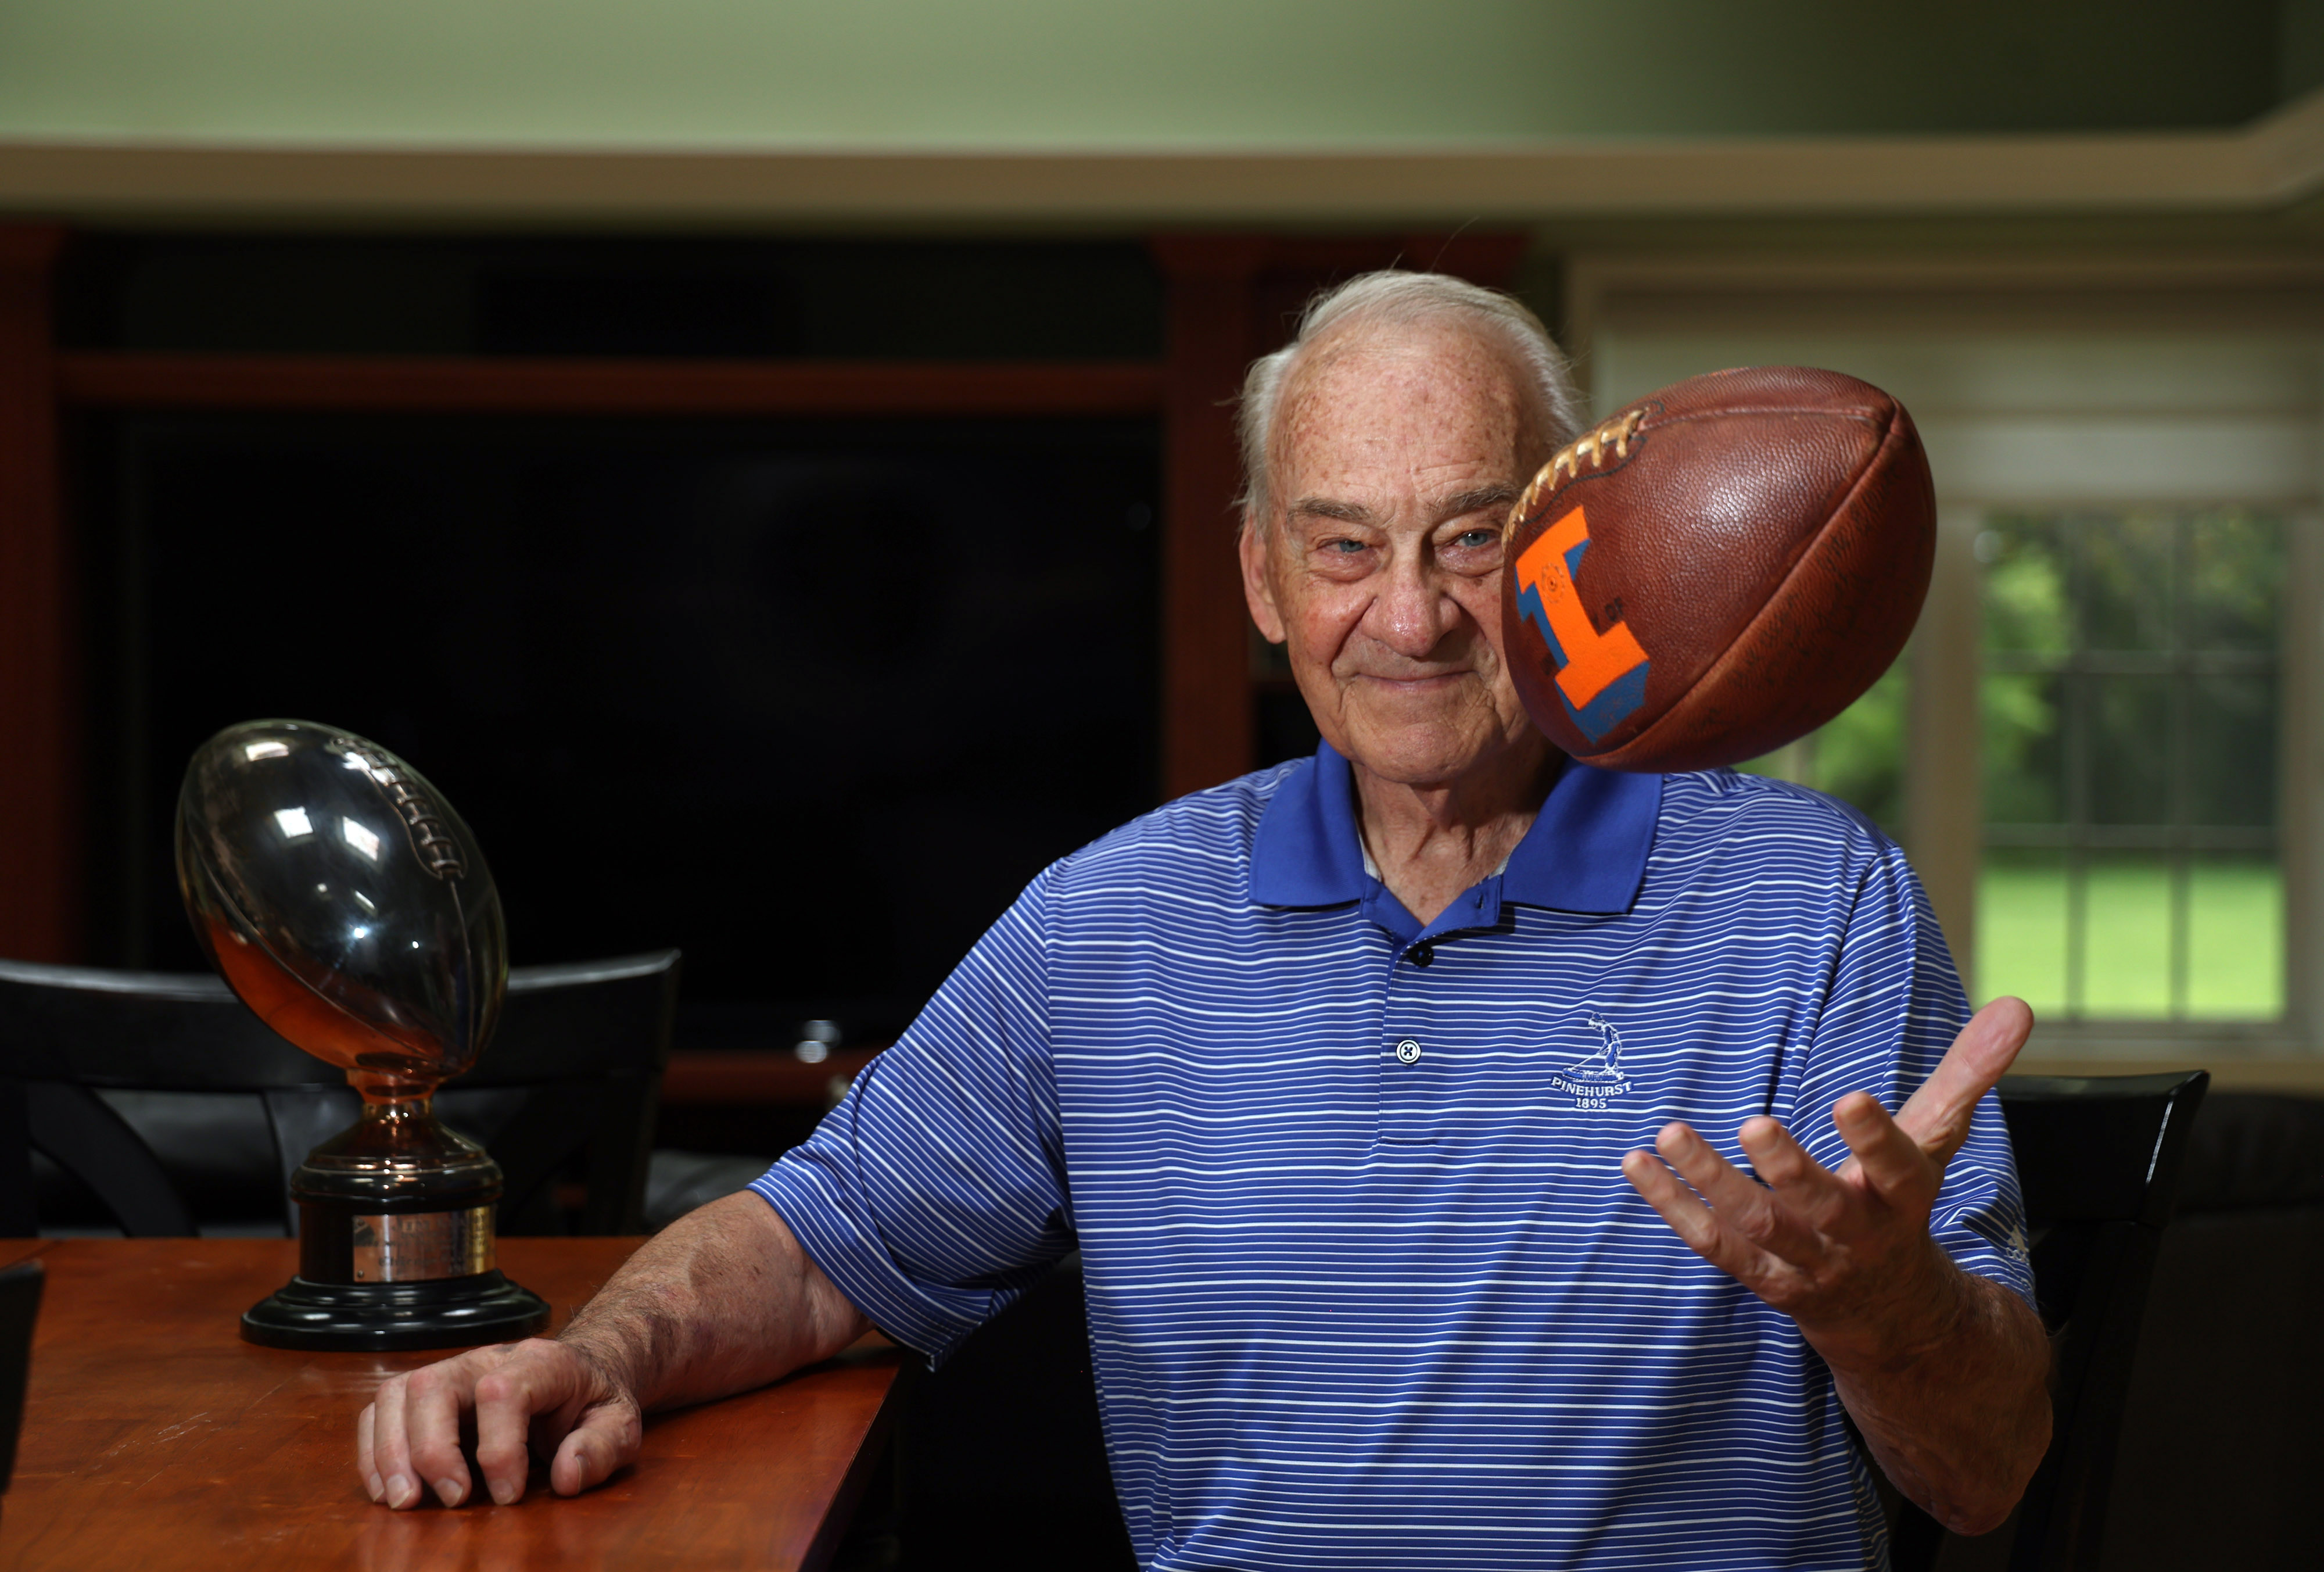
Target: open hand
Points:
(1847, 1254)
(534, 1394)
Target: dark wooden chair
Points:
(571, 1078)
(20, 1308)
(2099, 1160)
(2220, 1445)
(1000, 1462)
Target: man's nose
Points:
(1412, 613)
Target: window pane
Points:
(2235, 931)
(1858, 756)
(2024, 758)
(2234, 568)
(2125, 592)
(2021, 927)
(2231, 751)
(2127, 936)
(2130, 707)
(2129, 749)
(2026, 573)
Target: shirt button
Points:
(1408, 1052)
(1421, 954)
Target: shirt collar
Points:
(1585, 851)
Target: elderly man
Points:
(1348, 1079)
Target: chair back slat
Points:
(19, 1217)
(20, 1309)
(2101, 1149)
(145, 1031)
(2099, 1159)
(79, 1134)
(298, 1119)
(579, 1023)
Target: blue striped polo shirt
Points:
(1366, 1286)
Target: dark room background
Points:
(810, 699)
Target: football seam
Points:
(1868, 417)
(1855, 485)
(1884, 424)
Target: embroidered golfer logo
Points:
(1598, 1076)
(1601, 678)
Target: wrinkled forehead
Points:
(1433, 391)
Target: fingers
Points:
(408, 1441)
(1690, 1220)
(1937, 1115)
(1823, 1200)
(366, 1468)
(606, 1440)
(1727, 1218)
(390, 1454)
(434, 1399)
(1745, 1209)
(1899, 1170)
(538, 1378)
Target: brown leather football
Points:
(1718, 569)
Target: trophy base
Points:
(383, 1317)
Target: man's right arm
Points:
(722, 1301)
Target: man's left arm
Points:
(1944, 1372)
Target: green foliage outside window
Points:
(1858, 756)
(2129, 706)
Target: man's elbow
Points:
(1986, 1501)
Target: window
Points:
(2130, 720)
(1858, 756)
(2104, 750)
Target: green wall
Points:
(1120, 73)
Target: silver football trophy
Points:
(344, 900)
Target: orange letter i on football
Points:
(1601, 676)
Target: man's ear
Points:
(1257, 591)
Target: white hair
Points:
(1395, 296)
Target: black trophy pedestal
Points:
(396, 1244)
(382, 1317)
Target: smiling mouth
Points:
(1415, 684)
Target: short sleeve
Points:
(1894, 1007)
(935, 1191)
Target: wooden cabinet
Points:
(1227, 299)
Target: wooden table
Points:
(154, 1438)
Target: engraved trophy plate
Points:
(422, 1246)
(340, 896)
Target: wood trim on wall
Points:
(1944, 807)
(2070, 289)
(2300, 780)
(1206, 702)
(39, 822)
(2275, 160)
(608, 387)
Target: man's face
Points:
(1396, 454)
